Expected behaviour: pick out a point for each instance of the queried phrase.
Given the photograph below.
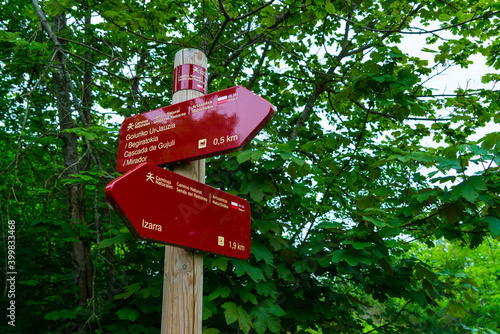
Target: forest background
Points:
(374, 197)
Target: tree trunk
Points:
(82, 266)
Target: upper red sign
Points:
(214, 124)
(168, 208)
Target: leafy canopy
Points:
(361, 159)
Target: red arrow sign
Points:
(168, 208)
(214, 124)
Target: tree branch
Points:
(46, 25)
(229, 17)
(216, 38)
(139, 35)
(59, 51)
(422, 31)
(319, 88)
(280, 18)
(256, 71)
(96, 66)
(387, 324)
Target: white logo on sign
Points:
(221, 241)
(149, 177)
(202, 143)
(130, 126)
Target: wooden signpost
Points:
(182, 306)
(175, 207)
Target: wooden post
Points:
(183, 277)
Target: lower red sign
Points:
(166, 207)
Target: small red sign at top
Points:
(214, 124)
(190, 76)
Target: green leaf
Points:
(127, 313)
(298, 161)
(362, 244)
(301, 189)
(422, 272)
(307, 264)
(352, 257)
(256, 155)
(220, 263)
(264, 321)
(116, 103)
(446, 164)
(265, 289)
(419, 297)
(429, 288)
(129, 291)
(209, 309)
(210, 331)
(268, 21)
(116, 240)
(261, 252)
(466, 190)
(329, 7)
(457, 309)
(219, 291)
(366, 202)
(257, 187)
(285, 155)
(494, 224)
(376, 222)
(243, 267)
(145, 306)
(231, 312)
(91, 133)
(273, 308)
(469, 188)
(235, 313)
(244, 320)
(53, 7)
(63, 314)
(490, 140)
(266, 316)
(478, 183)
(152, 291)
(243, 156)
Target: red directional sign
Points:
(213, 124)
(168, 208)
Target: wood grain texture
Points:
(183, 277)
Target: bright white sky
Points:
(451, 79)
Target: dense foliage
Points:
(361, 186)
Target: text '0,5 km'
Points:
(214, 124)
(227, 139)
